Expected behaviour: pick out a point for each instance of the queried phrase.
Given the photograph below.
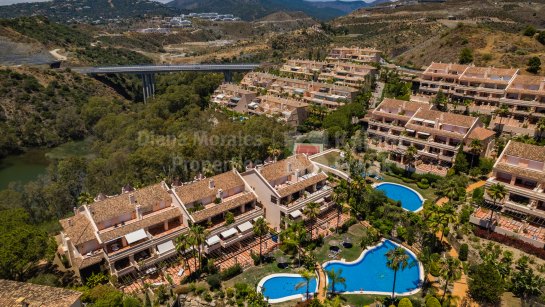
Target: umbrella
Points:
(347, 240)
(334, 243)
(282, 259)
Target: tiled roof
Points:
(277, 101)
(235, 88)
(527, 151)
(200, 189)
(525, 172)
(216, 209)
(405, 105)
(481, 134)
(536, 81)
(84, 262)
(434, 131)
(121, 204)
(78, 228)
(446, 118)
(292, 188)
(35, 295)
(148, 220)
(279, 169)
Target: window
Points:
(274, 200)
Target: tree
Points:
(433, 302)
(405, 302)
(540, 128)
(501, 112)
(541, 37)
(335, 278)
(183, 243)
(340, 197)
(440, 101)
(261, 228)
(450, 270)
(274, 151)
(526, 284)
(398, 259)
(410, 157)
(307, 276)
(485, 284)
(529, 31)
(198, 235)
(292, 237)
(534, 65)
(475, 147)
(460, 162)
(311, 211)
(466, 56)
(85, 198)
(497, 192)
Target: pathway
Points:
(322, 288)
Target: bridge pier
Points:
(148, 86)
(228, 76)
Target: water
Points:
(33, 163)
(410, 200)
(284, 286)
(371, 273)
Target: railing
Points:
(300, 203)
(236, 238)
(248, 216)
(145, 245)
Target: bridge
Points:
(147, 72)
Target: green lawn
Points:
(427, 193)
(329, 159)
(355, 233)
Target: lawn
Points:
(331, 159)
(427, 193)
(354, 233)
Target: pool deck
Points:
(422, 199)
(368, 249)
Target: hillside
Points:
(256, 9)
(94, 11)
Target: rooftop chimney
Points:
(22, 301)
(211, 184)
(289, 167)
(132, 199)
(70, 223)
(219, 194)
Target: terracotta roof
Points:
(405, 105)
(526, 151)
(35, 295)
(525, 172)
(435, 131)
(216, 209)
(524, 80)
(200, 189)
(279, 169)
(277, 101)
(121, 204)
(481, 134)
(235, 88)
(78, 228)
(446, 118)
(148, 220)
(83, 262)
(487, 73)
(292, 188)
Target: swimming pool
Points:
(370, 275)
(410, 199)
(278, 288)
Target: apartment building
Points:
(22, 294)
(340, 73)
(355, 54)
(233, 96)
(293, 112)
(487, 89)
(395, 125)
(521, 169)
(209, 201)
(318, 93)
(123, 233)
(285, 187)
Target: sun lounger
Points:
(181, 272)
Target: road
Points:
(139, 69)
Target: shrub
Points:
(214, 281)
(433, 302)
(423, 186)
(513, 242)
(200, 288)
(183, 289)
(541, 37)
(405, 302)
(464, 250)
(229, 218)
(231, 272)
(530, 31)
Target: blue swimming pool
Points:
(410, 199)
(369, 274)
(281, 287)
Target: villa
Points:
(488, 88)
(233, 96)
(318, 93)
(291, 111)
(521, 169)
(344, 74)
(395, 125)
(123, 233)
(355, 54)
(285, 187)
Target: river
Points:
(33, 163)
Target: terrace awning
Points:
(245, 226)
(212, 240)
(165, 247)
(229, 232)
(295, 214)
(136, 236)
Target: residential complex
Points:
(318, 93)
(521, 169)
(395, 125)
(20, 294)
(135, 230)
(293, 112)
(233, 96)
(345, 74)
(355, 54)
(487, 89)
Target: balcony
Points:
(301, 202)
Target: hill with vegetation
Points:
(95, 11)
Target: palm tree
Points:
(540, 128)
(502, 112)
(335, 278)
(85, 198)
(426, 259)
(198, 235)
(441, 217)
(274, 151)
(236, 163)
(183, 243)
(497, 192)
(398, 259)
(261, 228)
(410, 157)
(292, 237)
(307, 276)
(475, 147)
(450, 270)
(311, 211)
(340, 197)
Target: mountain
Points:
(88, 10)
(256, 9)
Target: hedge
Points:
(510, 241)
(464, 250)
(231, 272)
